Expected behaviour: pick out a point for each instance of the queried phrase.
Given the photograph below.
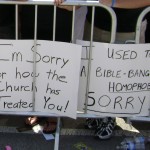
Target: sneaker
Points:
(92, 123)
(105, 131)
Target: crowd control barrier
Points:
(137, 40)
(93, 4)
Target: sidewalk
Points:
(73, 135)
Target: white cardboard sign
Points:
(119, 79)
(57, 76)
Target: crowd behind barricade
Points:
(127, 13)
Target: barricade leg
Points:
(57, 134)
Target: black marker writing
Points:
(86, 50)
(49, 59)
(2, 74)
(108, 73)
(17, 88)
(5, 59)
(119, 102)
(26, 74)
(138, 73)
(114, 87)
(16, 56)
(54, 76)
(20, 104)
(121, 54)
(51, 106)
(147, 55)
(52, 91)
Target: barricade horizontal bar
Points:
(51, 2)
(79, 115)
(140, 119)
(34, 113)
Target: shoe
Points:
(49, 127)
(92, 123)
(105, 131)
(31, 121)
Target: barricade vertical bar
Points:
(73, 22)
(89, 61)
(16, 21)
(138, 30)
(54, 23)
(34, 56)
(114, 25)
(57, 134)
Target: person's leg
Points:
(143, 30)
(50, 125)
(147, 32)
(122, 38)
(147, 38)
(98, 34)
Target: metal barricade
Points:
(75, 3)
(137, 41)
(139, 22)
(93, 4)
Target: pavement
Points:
(73, 135)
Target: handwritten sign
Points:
(57, 76)
(119, 79)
